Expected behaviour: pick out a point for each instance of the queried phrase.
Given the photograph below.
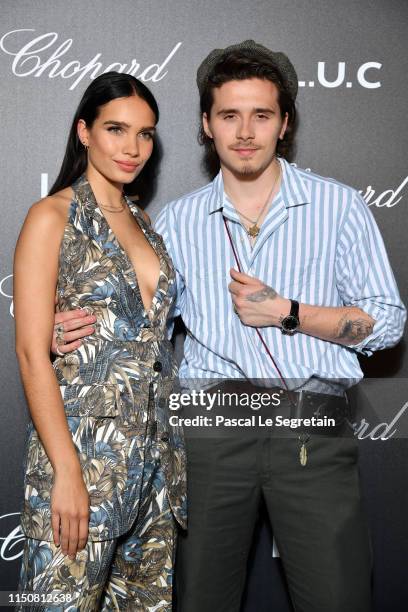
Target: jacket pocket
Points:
(96, 400)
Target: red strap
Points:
(256, 329)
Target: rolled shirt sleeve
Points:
(365, 279)
(165, 225)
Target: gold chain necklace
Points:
(254, 230)
(113, 209)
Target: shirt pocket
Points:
(292, 281)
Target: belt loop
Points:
(301, 396)
(297, 404)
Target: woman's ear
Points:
(82, 132)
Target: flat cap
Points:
(250, 48)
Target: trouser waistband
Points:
(302, 411)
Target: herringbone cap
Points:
(250, 48)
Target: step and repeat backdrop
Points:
(352, 63)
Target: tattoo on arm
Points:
(267, 293)
(353, 330)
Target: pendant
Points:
(303, 455)
(253, 231)
(304, 439)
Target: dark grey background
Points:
(355, 134)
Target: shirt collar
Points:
(294, 191)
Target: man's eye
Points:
(261, 116)
(228, 116)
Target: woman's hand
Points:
(70, 512)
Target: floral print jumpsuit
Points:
(115, 389)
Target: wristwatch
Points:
(291, 322)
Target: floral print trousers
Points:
(133, 572)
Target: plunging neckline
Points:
(135, 285)
(129, 273)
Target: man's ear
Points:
(206, 126)
(284, 126)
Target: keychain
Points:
(304, 439)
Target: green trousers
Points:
(315, 512)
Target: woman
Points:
(104, 471)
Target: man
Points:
(282, 275)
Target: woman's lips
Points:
(127, 167)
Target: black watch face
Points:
(290, 323)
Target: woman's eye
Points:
(146, 135)
(115, 129)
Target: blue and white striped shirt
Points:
(319, 244)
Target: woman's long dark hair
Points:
(102, 90)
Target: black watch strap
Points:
(294, 309)
(291, 322)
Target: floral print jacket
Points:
(116, 385)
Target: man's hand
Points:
(259, 305)
(69, 328)
(256, 304)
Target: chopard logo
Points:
(6, 292)
(332, 77)
(381, 431)
(384, 199)
(9, 542)
(42, 55)
(387, 199)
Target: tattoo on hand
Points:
(267, 293)
(354, 330)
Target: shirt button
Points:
(164, 437)
(157, 366)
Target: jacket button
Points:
(157, 366)
(164, 437)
